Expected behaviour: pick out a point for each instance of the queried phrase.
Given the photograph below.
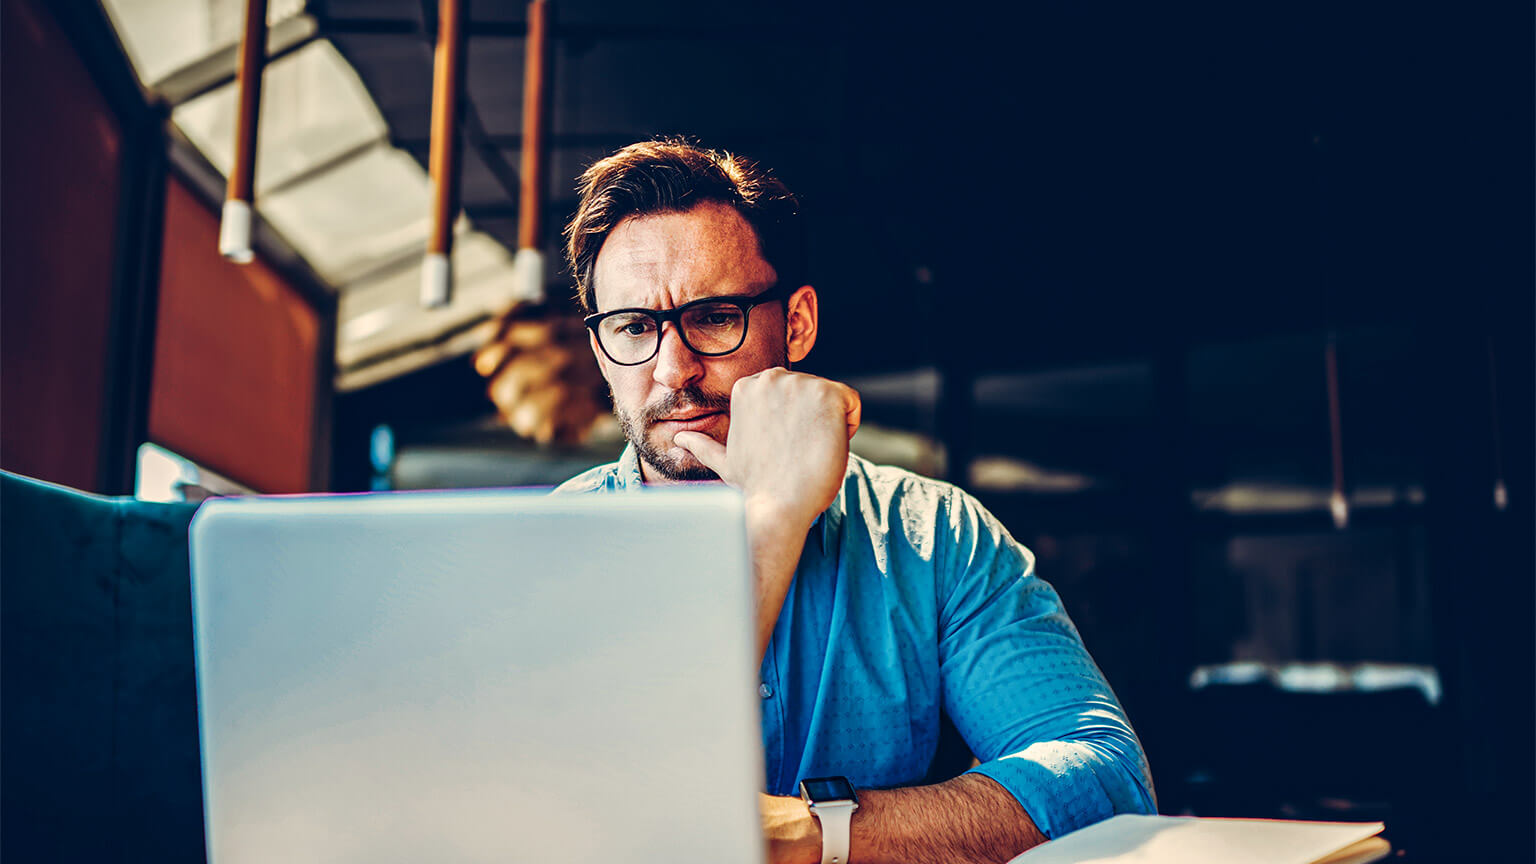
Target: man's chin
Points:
(676, 464)
(678, 471)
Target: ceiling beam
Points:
(324, 166)
(476, 136)
(218, 69)
(576, 32)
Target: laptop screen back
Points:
(467, 677)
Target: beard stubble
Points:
(637, 430)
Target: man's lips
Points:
(690, 422)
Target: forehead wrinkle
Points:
(657, 260)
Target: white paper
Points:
(1132, 839)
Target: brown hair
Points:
(671, 175)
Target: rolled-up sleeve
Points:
(1022, 689)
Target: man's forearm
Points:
(968, 819)
(776, 539)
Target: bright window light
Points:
(162, 36)
(356, 209)
(314, 109)
(367, 212)
(163, 475)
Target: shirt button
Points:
(765, 691)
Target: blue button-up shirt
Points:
(910, 600)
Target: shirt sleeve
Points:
(1021, 688)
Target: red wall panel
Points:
(59, 177)
(236, 358)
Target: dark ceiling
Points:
(1078, 179)
(1039, 186)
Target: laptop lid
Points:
(477, 676)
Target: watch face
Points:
(828, 789)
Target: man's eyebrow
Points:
(733, 295)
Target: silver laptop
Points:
(477, 676)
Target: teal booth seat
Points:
(98, 704)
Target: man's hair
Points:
(671, 175)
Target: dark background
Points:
(1109, 240)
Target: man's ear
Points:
(800, 317)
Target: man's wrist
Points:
(767, 514)
(810, 849)
(832, 801)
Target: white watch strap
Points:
(835, 817)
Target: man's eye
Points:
(633, 327)
(719, 318)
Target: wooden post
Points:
(235, 222)
(528, 264)
(443, 163)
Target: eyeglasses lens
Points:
(710, 328)
(714, 328)
(628, 337)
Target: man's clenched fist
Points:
(787, 447)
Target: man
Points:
(883, 598)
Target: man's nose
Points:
(676, 364)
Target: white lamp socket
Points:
(528, 276)
(235, 231)
(436, 281)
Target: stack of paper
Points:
(1184, 840)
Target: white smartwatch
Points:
(832, 801)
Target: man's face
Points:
(660, 261)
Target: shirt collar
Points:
(626, 474)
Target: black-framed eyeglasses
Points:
(710, 327)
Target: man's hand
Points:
(791, 832)
(787, 451)
(541, 375)
(787, 448)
